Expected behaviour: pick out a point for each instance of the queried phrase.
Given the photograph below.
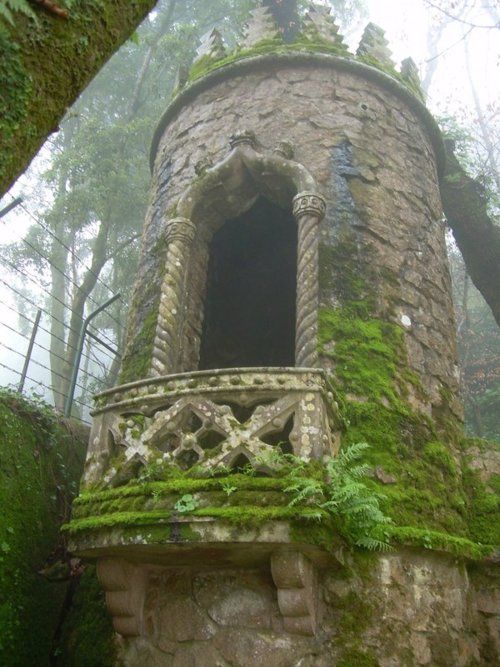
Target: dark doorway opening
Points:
(251, 285)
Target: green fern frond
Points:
(21, 6)
(373, 544)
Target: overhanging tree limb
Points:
(45, 65)
(477, 237)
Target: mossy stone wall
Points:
(40, 465)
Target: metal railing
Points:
(36, 355)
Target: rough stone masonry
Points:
(338, 155)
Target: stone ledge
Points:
(196, 541)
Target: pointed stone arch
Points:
(221, 192)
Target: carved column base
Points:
(295, 578)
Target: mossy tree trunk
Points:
(477, 237)
(44, 65)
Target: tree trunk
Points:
(44, 66)
(477, 237)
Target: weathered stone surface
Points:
(254, 649)
(375, 168)
(237, 600)
(260, 26)
(406, 608)
(367, 152)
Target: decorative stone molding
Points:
(260, 26)
(202, 165)
(409, 72)
(179, 229)
(309, 203)
(125, 588)
(284, 149)
(374, 45)
(319, 25)
(211, 418)
(244, 137)
(295, 578)
(212, 46)
(225, 191)
(309, 209)
(179, 235)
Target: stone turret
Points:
(292, 298)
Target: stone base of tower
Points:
(402, 608)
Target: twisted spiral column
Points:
(179, 236)
(308, 210)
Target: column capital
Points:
(245, 137)
(309, 203)
(180, 229)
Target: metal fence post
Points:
(28, 353)
(79, 349)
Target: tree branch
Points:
(457, 18)
(44, 67)
(477, 237)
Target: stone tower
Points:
(292, 298)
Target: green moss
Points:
(117, 519)
(366, 353)
(255, 516)
(354, 617)
(40, 464)
(15, 84)
(438, 541)
(87, 637)
(370, 364)
(322, 534)
(392, 72)
(494, 483)
(357, 658)
(438, 454)
(302, 43)
(183, 485)
(483, 509)
(138, 362)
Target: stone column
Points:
(308, 210)
(179, 236)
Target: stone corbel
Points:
(308, 209)
(295, 578)
(125, 588)
(179, 234)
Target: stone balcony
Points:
(213, 425)
(213, 419)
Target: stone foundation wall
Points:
(404, 608)
(374, 163)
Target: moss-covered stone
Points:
(137, 363)
(40, 463)
(52, 60)
(434, 501)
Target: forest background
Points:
(73, 240)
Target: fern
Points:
(343, 495)
(304, 490)
(352, 501)
(21, 6)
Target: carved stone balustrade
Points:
(213, 418)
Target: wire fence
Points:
(47, 348)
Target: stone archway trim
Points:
(234, 184)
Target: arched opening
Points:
(251, 289)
